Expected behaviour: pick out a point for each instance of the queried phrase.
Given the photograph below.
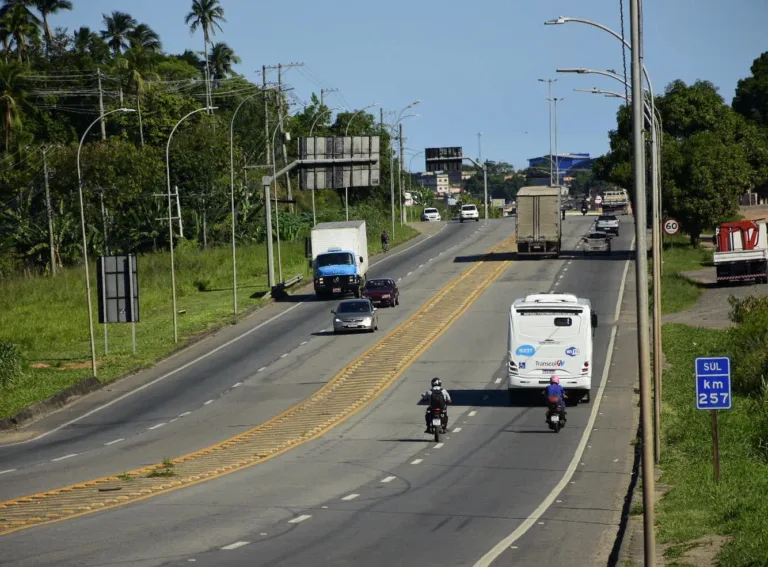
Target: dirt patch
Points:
(701, 552)
(67, 366)
(755, 212)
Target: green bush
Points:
(10, 363)
(749, 344)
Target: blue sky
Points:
(473, 65)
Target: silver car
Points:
(597, 241)
(355, 315)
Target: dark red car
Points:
(383, 291)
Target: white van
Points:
(550, 334)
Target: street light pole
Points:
(170, 212)
(557, 155)
(346, 131)
(549, 109)
(85, 238)
(232, 198)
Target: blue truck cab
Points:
(339, 252)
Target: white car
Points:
(430, 214)
(469, 212)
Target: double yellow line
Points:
(351, 390)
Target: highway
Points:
(373, 490)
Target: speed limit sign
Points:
(671, 227)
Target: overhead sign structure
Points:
(443, 159)
(338, 176)
(671, 227)
(713, 383)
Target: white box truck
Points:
(539, 222)
(339, 252)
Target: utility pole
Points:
(480, 147)
(266, 113)
(322, 94)
(557, 156)
(641, 267)
(280, 68)
(49, 210)
(400, 173)
(101, 106)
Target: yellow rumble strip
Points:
(352, 389)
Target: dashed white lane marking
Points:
(14, 470)
(64, 457)
(398, 279)
(115, 441)
(421, 265)
(350, 496)
(235, 545)
(565, 269)
(286, 354)
(262, 369)
(156, 426)
(437, 446)
(237, 385)
(300, 519)
(456, 429)
(416, 461)
(302, 343)
(473, 413)
(513, 547)
(408, 274)
(388, 479)
(208, 402)
(497, 381)
(185, 413)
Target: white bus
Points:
(550, 334)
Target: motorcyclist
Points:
(437, 388)
(556, 391)
(384, 239)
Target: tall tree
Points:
(751, 100)
(144, 37)
(22, 26)
(119, 26)
(46, 8)
(139, 63)
(222, 57)
(206, 14)
(12, 98)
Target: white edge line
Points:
(64, 457)
(499, 548)
(303, 343)
(159, 425)
(237, 385)
(284, 355)
(185, 413)
(416, 461)
(14, 470)
(387, 479)
(113, 442)
(262, 369)
(199, 358)
(208, 402)
(235, 545)
(300, 519)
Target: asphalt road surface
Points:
(374, 490)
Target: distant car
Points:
(597, 241)
(430, 214)
(469, 212)
(383, 291)
(355, 315)
(607, 223)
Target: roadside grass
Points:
(696, 506)
(48, 318)
(679, 293)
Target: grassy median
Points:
(679, 293)
(48, 319)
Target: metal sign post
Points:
(713, 392)
(118, 289)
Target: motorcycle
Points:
(584, 210)
(438, 425)
(555, 415)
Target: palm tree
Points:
(21, 24)
(222, 57)
(12, 97)
(5, 35)
(88, 43)
(145, 37)
(26, 7)
(119, 26)
(46, 8)
(140, 65)
(206, 14)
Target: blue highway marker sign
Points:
(713, 383)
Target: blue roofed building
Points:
(569, 165)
